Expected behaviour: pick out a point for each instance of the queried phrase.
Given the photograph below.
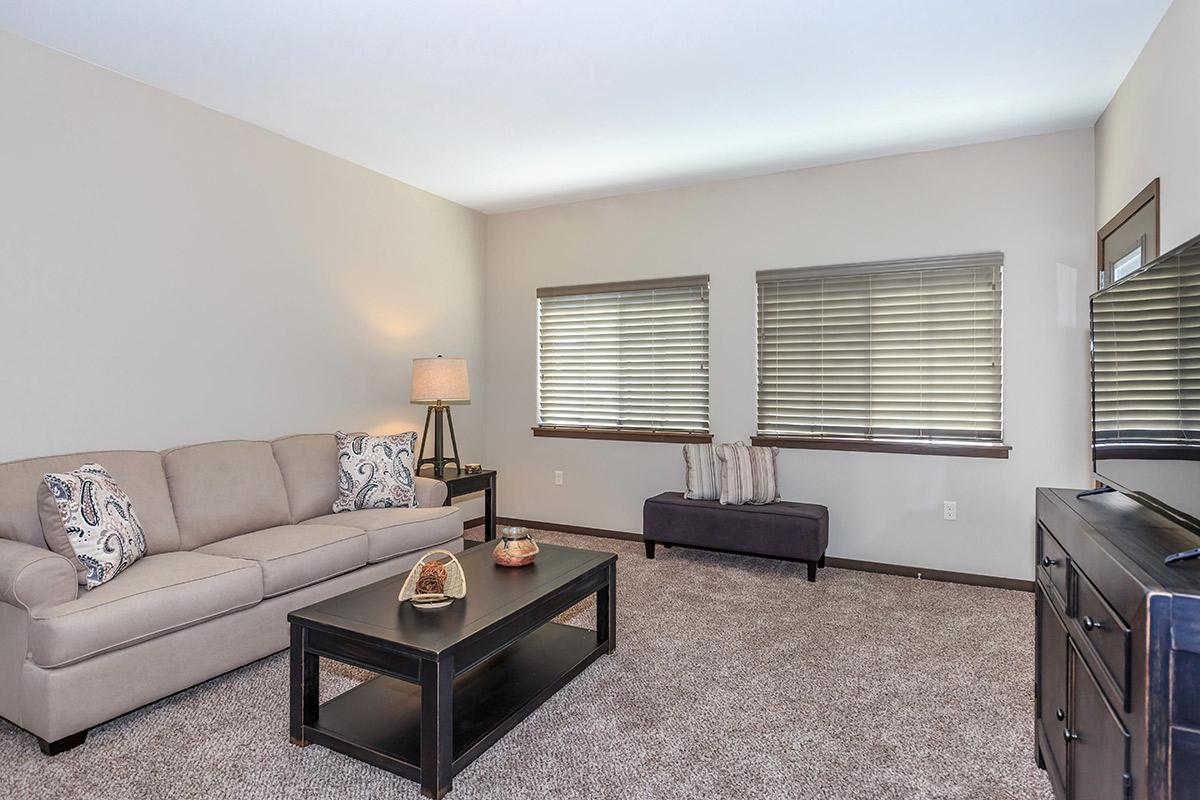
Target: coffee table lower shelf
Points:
(379, 722)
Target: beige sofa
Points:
(238, 534)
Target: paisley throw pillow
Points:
(95, 525)
(375, 471)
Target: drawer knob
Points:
(1068, 736)
(1060, 715)
(1090, 624)
(1048, 562)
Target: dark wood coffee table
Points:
(452, 680)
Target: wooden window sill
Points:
(677, 437)
(885, 446)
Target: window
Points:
(902, 356)
(1130, 239)
(626, 361)
(1129, 263)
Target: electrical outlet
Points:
(949, 510)
(558, 477)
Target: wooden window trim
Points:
(967, 450)
(624, 435)
(1150, 193)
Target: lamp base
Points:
(439, 459)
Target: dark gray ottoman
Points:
(791, 531)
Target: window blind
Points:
(1146, 356)
(627, 356)
(904, 350)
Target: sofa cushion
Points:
(294, 556)
(88, 519)
(140, 475)
(393, 532)
(155, 595)
(221, 489)
(309, 463)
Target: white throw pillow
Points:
(96, 526)
(748, 474)
(375, 471)
(702, 471)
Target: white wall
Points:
(1151, 129)
(171, 275)
(1030, 198)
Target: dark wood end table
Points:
(452, 681)
(459, 483)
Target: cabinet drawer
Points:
(1105, 632)
(1052, 564)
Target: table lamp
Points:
(435, 382)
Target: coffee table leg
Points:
(304, 685)
(437, 727)
(606, 610)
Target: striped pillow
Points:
(702, 473)
(748, 475)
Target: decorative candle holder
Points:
(516, 548)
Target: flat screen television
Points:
(1146, 385)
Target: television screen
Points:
(1146, 384)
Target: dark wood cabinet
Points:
(1053, 668)
(1097, 739)
(1117, 712)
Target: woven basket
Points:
(456, 579)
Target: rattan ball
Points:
(432, 579)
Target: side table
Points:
(459, 483)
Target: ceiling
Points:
(508, 104)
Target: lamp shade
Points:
(439, 379)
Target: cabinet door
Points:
(1098, 743)
(1052, 682)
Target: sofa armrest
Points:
(32, 577)
(430, 492)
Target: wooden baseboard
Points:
(968, 578)
(582, 531)
(472, 523)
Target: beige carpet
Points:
(733, 678)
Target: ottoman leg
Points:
(812, 572)
(821, 561)
(649, 548)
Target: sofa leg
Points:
(821, 561)
(812, 571)
(62, 745)
(649, 548)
